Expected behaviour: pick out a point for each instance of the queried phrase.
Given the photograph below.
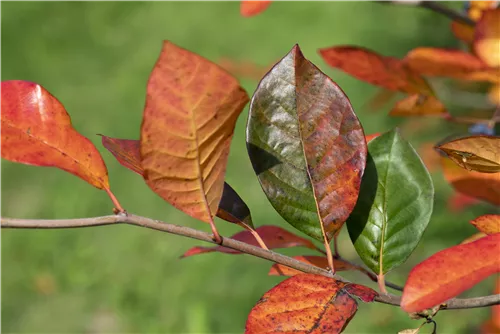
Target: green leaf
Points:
(306, 145)
(394, 205)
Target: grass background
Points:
(96, 57)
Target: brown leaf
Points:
(366, 65)
(483, 186)
(417, 105)
(487, 37)
(126, 151)
(273, 236)
(305, 303)
(489, 224)
(449, 272)
(37, 130)
(318, 261)
(479, 153)
(191, 109)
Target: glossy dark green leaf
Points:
(394, 205)
(306, 145)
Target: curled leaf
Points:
(126, 151)
(479, 153)
(306, 303)
(489, 224)
(37, 130)
(273, 236)
(191, 109)
(306, 145)
(449, 272)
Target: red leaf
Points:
(306, 303)
(126, 151)
(450, 272)
(37, 130)
(458, 202)
(489, 224)
(372, 136)
(252, 8)
(318, 261)
(273, 236)
(366, 65)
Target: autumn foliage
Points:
(316, 166)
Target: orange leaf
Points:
(273, 237)
(318, 261)
(191, 109)
(252, 8)
(489, 224)
(307, 303)
(483, 186)
(366, 65)
(450, 272)
(494, 94)
(480, 153)
(372, 136)
(450, 63)
(126, 151)
(416, 105)
(37, 130)
(487, 37)
(463, 31)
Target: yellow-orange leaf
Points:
(489, 224)
(318, 261)
(416, 105)
(484, 186)
(191, 109)
(37, 130)
(479, 153)
(473, 237)
(487, 37)
(450, 63)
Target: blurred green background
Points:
(95, 57)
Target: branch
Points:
(130, 219)
(438, 8)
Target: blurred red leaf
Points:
(252, 8)
(489, 224)
(273, 236)
(318, 261)
(369, 66)
(487, 37)
(450, 63)
(449, 272)
(307, 303)
(372, 136)
(483, 186)
(458, 202)
(126, 151)
(37, 130)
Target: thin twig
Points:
(436, 7)
(226, 242)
